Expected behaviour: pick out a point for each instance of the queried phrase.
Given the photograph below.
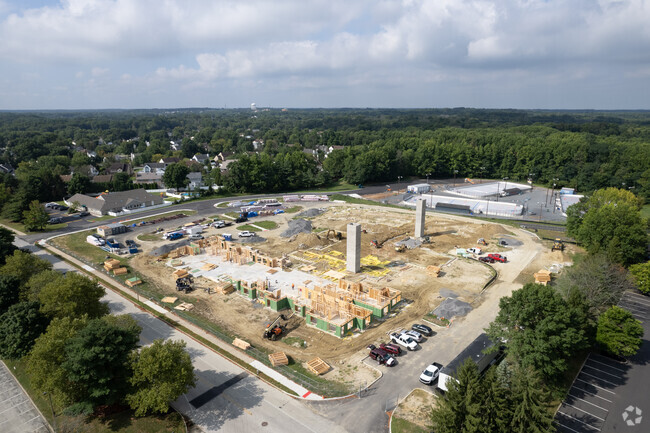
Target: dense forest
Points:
(586, 150)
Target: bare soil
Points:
(416, 407)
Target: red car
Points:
(391, 348)
(498, 258)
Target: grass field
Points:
(21, 227)
(400, 425)
(269, 225)
(122, 422)
(76, 243)
(293, 209)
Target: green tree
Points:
(7, 246)
(176, 176)
(122, 182)
(641, 276)
(96, 362)
(530, 402)
(79, 184)
(36, 217)
(23, 266)
(20, 325)
(47, 356)
(73, 295)
(161, 373)
(540, 328)
(619, 332)
(610, 222)
(459, 409)
(9, 292)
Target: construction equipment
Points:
(375, 243)
(274, 330)
(335, 235)
(481, 241)
(558, 245)
(184, 284)
(400, 248)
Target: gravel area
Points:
(310, 213)
(296, 227)
(451, 307)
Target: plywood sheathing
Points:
(208, 267)
(133, 281)
(120, 271)
(111, 264)
(224, 287)
(169, 299)
(542, 277)
(318, 366)
(180, 273)
(243, 345)
(434, 270)
(184, 306)
(278, 358)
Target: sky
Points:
(550, 54)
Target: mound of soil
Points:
(296, 227)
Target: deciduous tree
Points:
(23, 266)
(73, 295)
(161, 373)
(36, 217)
(9, 292)
(176, 176)
(79, 184)
(20, 325)
(7, 246)
(641, 276)
(619, 332)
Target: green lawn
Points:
(269, 225)
(400, 425)
(249, 228)
(21, 227)
(149, 237)
(293, 209)
(122, 422)
(223, 204)
(77, 244)
(645, 211)
(340, 185)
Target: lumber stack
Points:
(434, 270)
(224, 287)
(133, 281)
(112, 264)
(180, 273)
(120, 271)
(208, 267)
(542, 277)
(278, 358)
(243, 345)
(318, 366)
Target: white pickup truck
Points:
(246, 234)
(404, 340)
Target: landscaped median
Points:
(413, 413)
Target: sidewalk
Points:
(255, 364)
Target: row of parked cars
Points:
(404, 340)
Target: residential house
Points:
(196, 180)
(66, 178)
(142, 177)
(222, 156)
(258, 144)
(224, 165)
(154, 167)
(201, 158)
(86, 170)
(175, 145)
(119, 167)
(91, 154)
(102, 178)
(168, 161)
(116, 202)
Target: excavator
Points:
(557, 245)
(274, 329)
(375, 243)
(481, 241)
(335, 235)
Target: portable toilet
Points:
(227, 237)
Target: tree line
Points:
(73, 349)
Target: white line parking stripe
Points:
(599, 378)
(592, 394)
(595, 405)
(581, 422)
(581, 410)
(607, 365)
(566, 426)
(596, 386)
(604, 372)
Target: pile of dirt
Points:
(296, 227)
(310, 213)
(410, 243)
(452, 307)
(309, 240)
(167, 248)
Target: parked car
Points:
(129, 243)
(422, 329)
(498, 258)
(475, 250)
(218, 224)
(382, 357)
(486, 259)
(54, 220)
(241, 219)
(84, 213)
(246, 234)
(413, 334)
(196, 237)
(430, 374)
(174, 236)
(404, 341)
(51, 205)
(393, 349)
(61, 207)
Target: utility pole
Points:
(482, 175)
(428, 174)
(455, 173)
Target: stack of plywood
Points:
(278, 358)
(434, 270)
(120, 271)
(243, 345)
(112, 264)
(318, 366)
(224, 287)
(208, 267)
(133, 281)
(169, 299)
(184, 306)
(543, 277)
(180, 273)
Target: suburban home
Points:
(174, 145)
(258, 144)
(201, 158)
(119, 167)
(66, 178)
(224, 165)
(91, 154)
(102, 178)
(86, 170)
(116, 202)
(170, 160)
(154, 167)
(142, 177)
(222, 156)
(196, 180)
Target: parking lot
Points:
(17, 412)
(608, 394)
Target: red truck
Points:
(498, 258)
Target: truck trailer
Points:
(476, 352)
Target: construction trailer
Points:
(419, 188)
(476, 351)
(111, 229)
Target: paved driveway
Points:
(17, 412)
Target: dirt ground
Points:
(407, 272)
(416, 407)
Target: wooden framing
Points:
(278, 358)
(120, 271)
(318, 366)
(133, 281)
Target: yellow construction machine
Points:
(557, 245)
(400, 248)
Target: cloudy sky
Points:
(324, 53)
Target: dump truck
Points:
(557, 245)
(274, 329)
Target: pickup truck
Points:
(382, 357)
(404, 340)
(498, 258)
(245, 234)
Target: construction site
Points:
(344, 275)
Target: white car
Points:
(246, 234)
(476, 251)
(218, 224)
(415, 335)
(404, 340)
(430, 374)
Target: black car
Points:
(422, 329)
(129, 243)
(54, 221)
(486, 259)
(84, 213)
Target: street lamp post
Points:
(530, 176)
(505, 186)
(428, 174)
(498, 189)
(482, 175)
(455, 173)
(399, 178)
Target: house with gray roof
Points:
(116, 202)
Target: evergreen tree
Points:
(530, 413)
(459, 410)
